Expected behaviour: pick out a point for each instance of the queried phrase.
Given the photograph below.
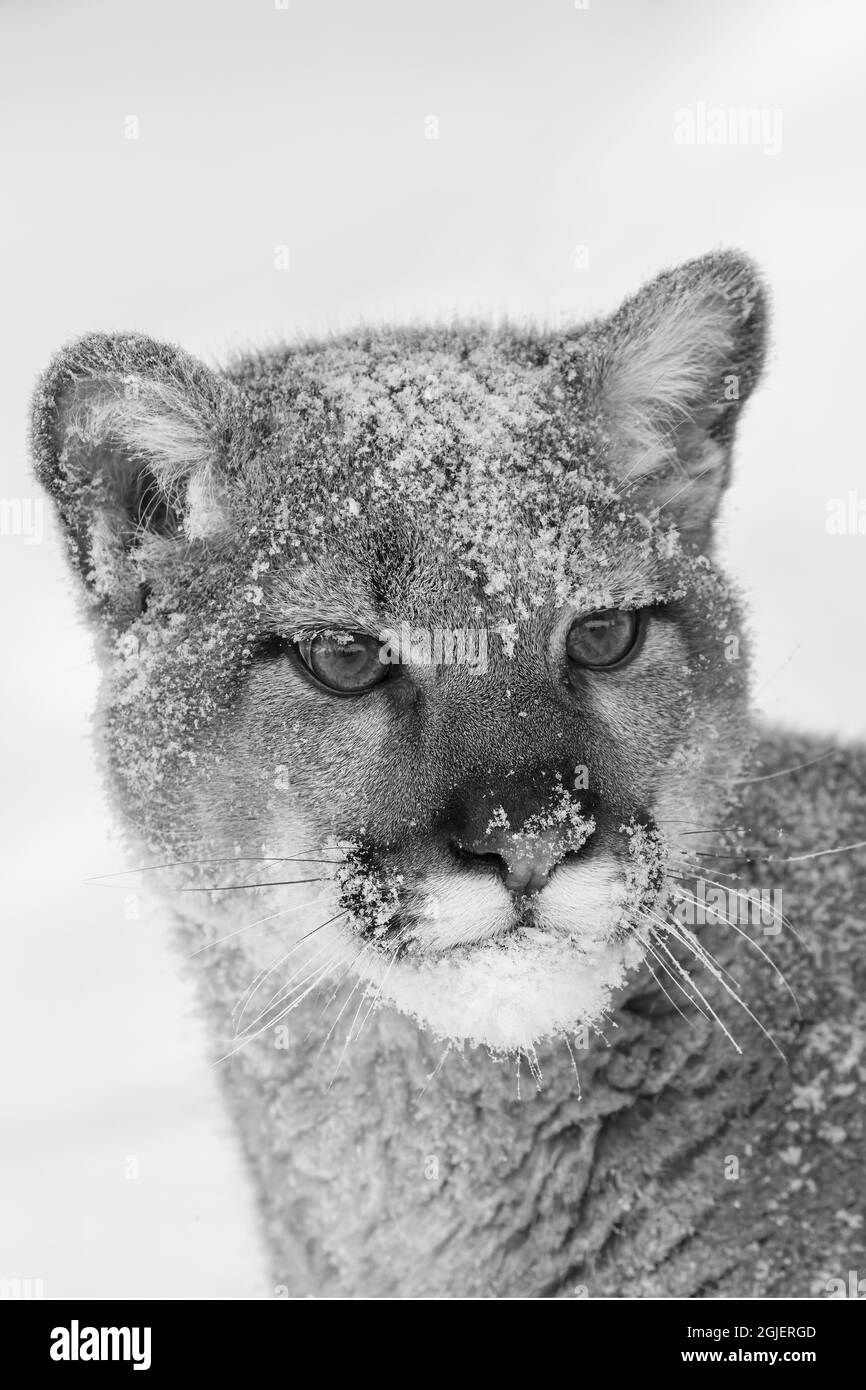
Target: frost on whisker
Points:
(646, 870)
(369, 891)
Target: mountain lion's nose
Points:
(525, 861)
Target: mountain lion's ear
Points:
(668, 374)
(129, 437)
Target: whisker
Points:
(349, 967)
(261, 977)
(240, 887)
(286, 987)
(819, 853)
(534, 1065)
(697, 947)
(573, 1062)
(698, 991)
(779, 669)
(287, 984)
(709, 829)
(346, 1003)
(688, 870)
(348, 1035)
(434, 1073)
(281, 960)
(247, 1038)
(277, 998)
(198, 863)
(697, 830)
(777, 916)
(249, 993)
(744, 859)
(688, 939)
(678, 983)
(280, 912)
(669, 997)
(748, 857)
(772, 964)
(378, 994)
(784, 772)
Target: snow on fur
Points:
(468, 474)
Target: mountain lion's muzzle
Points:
(521, 829)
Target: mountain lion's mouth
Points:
(507, 993)
(446, 938)
(413, 932)
(505, 970)
(467, 901)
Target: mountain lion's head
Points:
(426, 616)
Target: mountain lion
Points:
(534, 968)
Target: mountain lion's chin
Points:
(510, 993)
(487, 968)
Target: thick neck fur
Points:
(656, 1161)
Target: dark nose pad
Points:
(519, 830)
(525, 861)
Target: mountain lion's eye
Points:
(344, 662)
(602, 639)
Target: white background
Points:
(305, 127)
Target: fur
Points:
(327, 851)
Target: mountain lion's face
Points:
(424, 617)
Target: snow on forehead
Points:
(485, 452)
